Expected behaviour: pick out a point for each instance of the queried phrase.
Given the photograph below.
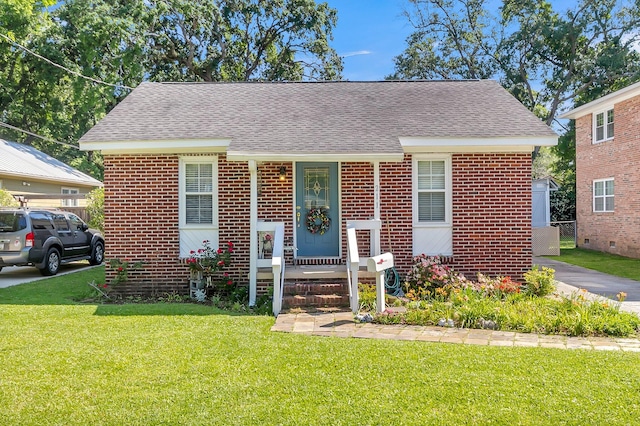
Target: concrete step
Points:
(316, 293)
(304, 289)
(315, 300)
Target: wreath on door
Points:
(317, 221)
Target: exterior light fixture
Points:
(283, 173)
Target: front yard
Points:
(62, 362)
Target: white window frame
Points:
(605, 196)
(605, 125)
(182, 203)
(448, 215)
(66, 202)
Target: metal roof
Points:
(25, 162)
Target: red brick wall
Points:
(485, 186)
(141, 219)
(357, 202)
(396, 212)
(619, 231)
(492, 214)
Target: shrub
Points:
(539, 282)
(95, 208)
(430, 278)
(7, 200)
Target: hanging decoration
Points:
(317, 221)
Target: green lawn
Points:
(604, 262)
(67, 363)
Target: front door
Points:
(317, 210)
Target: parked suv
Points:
(46, 239)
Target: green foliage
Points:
(539, 282)
(95, 208)
(428, 277)
(7, 200)
(572, 316)
(122, 268)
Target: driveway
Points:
(14, 275)
(573, 278)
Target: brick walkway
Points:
(342, 324)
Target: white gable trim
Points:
(158, 146)
(425, 145)
(605, 102)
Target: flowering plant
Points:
(207, 264)
(429, 277)
(209, 260)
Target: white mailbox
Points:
(380, 263)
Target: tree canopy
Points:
(64, 65)
(545, 58)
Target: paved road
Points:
(14, 275)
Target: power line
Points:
(9, 126)
(62, 67)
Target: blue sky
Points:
(369, 34)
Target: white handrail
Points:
(353, 257)
(278, 267)
(353, 265)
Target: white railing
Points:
(353, 257)
(276, 262)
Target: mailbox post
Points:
(379, 264)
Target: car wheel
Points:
(51, 263)
(97, 254)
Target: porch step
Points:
(315, 294)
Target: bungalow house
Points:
(435, 167)
(37, 179)
(607, 175)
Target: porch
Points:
(325, 282)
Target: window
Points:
(61, 223)
(67, 202)
(603, 195)
(603, 126)
(432, 186)
(198, 192)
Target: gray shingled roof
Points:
(23, 161)
(317, 117)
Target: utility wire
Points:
(62, 67)
(9, 126)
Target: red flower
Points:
(230, 244)
(221, 263)
(226, 274)
(229, 282)
(192, 252)
(120, 269)
(220, 251)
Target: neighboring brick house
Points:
(445, 165)
(607, 174)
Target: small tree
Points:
(7, 200)
(95, 208)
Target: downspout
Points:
(253, 237)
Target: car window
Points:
(40, 220)
(12, 221)
(76, 222)
(61, 222)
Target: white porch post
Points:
(375, 233)
(253, 238)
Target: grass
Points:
(62, 362)
(620, 266)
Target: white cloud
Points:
(356, 53)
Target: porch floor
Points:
(315, 272)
